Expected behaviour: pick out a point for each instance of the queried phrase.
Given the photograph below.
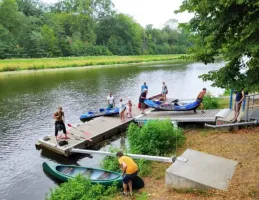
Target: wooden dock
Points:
(209, 116)
(99, 129)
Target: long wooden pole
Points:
(145, 157)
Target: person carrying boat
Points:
(129, 171)
(144, 86)
(110, 101)
(164, 91)
(59, 117)
(240, 95)
(200, 99)
(142, 98)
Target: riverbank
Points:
(241, 145)
(72, 62)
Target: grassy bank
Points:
(63, 62)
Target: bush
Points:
(210, 102)
(154, 138)
(81, 188)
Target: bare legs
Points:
(122, 116)
(125, 188)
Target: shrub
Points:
(81, 188)
(154, 138)
(210, 102)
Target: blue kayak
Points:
(158, 105)
(102, 112)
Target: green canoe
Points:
(65, 172)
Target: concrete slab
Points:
(201, 171)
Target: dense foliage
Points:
(228, 27)
(29, 28)
(210, 102)
(81, 188)
(154, 138)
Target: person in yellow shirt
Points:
(129, 171)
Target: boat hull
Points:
(96, 176)
(104, 112)
(172, 106)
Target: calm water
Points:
(28, 101)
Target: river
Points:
(28, 101)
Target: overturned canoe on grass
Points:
(158, 105)
(96, 176)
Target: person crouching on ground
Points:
(59, 116)
(129, 109)
(122, 109)
(200, 99)
(129, 172)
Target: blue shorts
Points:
(129, 177)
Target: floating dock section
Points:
(95, 130)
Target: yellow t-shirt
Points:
(131, 165)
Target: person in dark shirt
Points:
(240, 95)
(59, 116)
(142, 98)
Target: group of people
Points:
(122, 107)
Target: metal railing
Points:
(251, 102)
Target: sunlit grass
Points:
(62, 62)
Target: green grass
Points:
(63, 62)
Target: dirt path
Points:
(242, 146)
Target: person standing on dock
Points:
(59, 116)
(200, 99)
(110, 101)
(144, 86)
(240, 95)
(129, 109)
(129, 171)
(164, 91)
(122, 108)
(142, 98)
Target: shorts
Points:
(237, 106)
(110, 105)
(143, 106)
(129, 177)
(200, 100)
(164, 92)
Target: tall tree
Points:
(230, 28)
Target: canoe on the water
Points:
(157, 105)
(101, 112)
(97, 176)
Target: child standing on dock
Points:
(122, 108)
(59, 116)
(129, 109)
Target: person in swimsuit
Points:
(240, 95)
(59, 117)
(200, 99)
(129, 109)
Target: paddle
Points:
(77, 129)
